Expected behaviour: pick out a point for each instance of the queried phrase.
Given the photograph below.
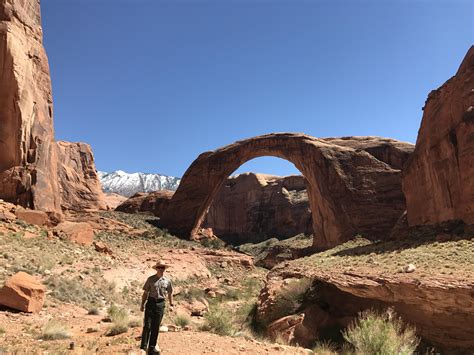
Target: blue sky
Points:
(151, 84)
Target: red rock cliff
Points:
(254, 207)
(79, 184)
(438, 180)
(28, 169)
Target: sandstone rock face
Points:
(438, 180)
(79, 183)
(78, 232)
(155, 202)
(23, 292)
(28, 171)
(254, 207)
(38, 218)
(350, 190)
(440, 309)
(113, 200)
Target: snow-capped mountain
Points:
(126, 184)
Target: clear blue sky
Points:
(150, 84)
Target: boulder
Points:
(78, 232)
(80, 187)
(438, 179)
(7, 211)
(23, 292)
(28, 163)
(283, 329)
(38, 218)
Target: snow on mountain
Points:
(126, 184)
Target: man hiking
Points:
(155, 291)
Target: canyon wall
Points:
(28, 169)
(80, 187)
(438, 179)
(255, 207)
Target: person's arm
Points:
(146, 290)
(170, 294)
(144, 298)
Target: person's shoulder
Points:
(151, 278)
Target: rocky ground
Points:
(226, 302)
(84, 281)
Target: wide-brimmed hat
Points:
(160, 265)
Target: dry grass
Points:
(432, 258)
(54, 330)
(119, 318)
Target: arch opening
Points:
(253, 207)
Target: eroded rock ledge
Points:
(441, 307)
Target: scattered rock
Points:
(23, 292)
(163, 329)
(409, 268)
(81, 233)
(101, 247)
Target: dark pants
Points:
(154, 312)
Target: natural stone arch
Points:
(347, 187)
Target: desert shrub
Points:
(135, 323)
(325, 348)
(119, 318)
(181, 320)
(233, 294)
(93, 311)
(2, 331)
(116, 329)
(55, 330)
(383, 334)
(213, 243)
(218, 320)
(193, 293)
(68, 290)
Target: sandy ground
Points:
(20, 330)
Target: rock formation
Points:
(438, 179)
(113, 200)
(351, 187)
(80, 188)
(441, 310)
(28, 171)
(255, 207)
(77, 232)
(153, 202)
(23, 292)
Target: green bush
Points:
(119, 318)
(181, 320)
(219, 321)
(55, 330)
(382, 334)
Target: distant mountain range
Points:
(128, 184)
